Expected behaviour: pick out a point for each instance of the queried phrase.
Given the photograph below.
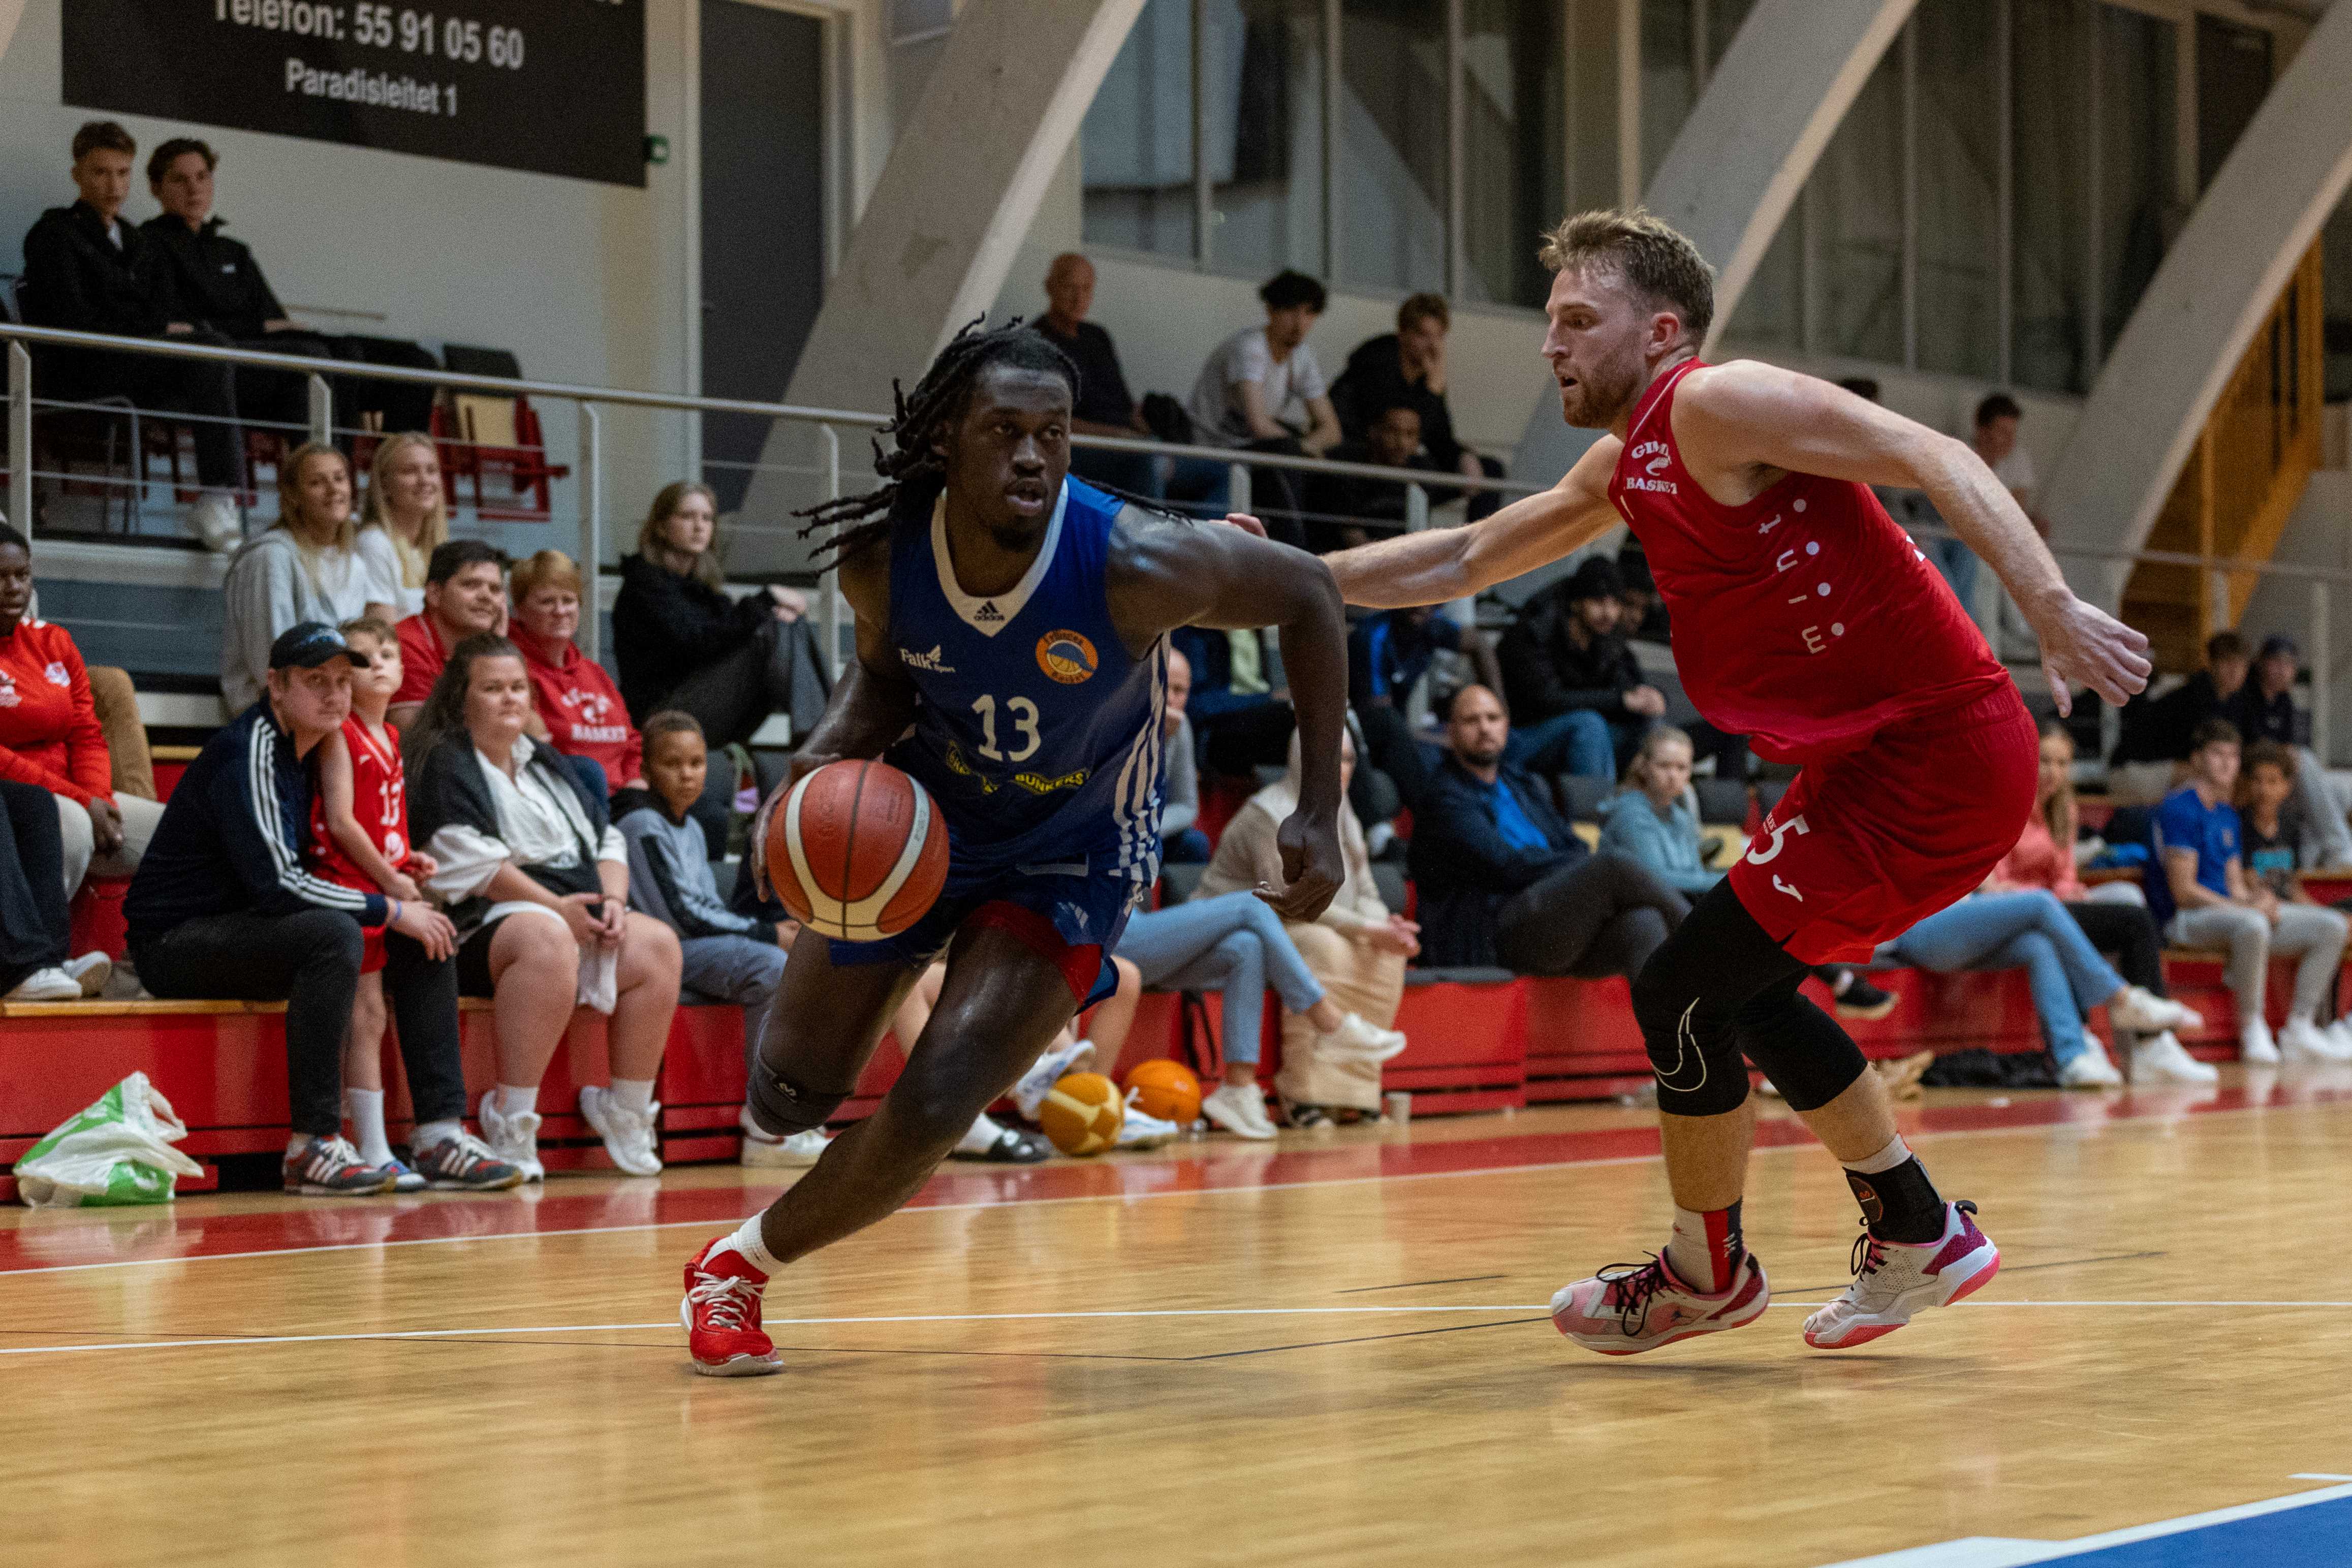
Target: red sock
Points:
(1705, 1248)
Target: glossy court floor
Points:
(1330, 1350)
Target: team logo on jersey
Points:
(8, 698)
(1039, 783)
(1067, 656)
(929, 662)
(56, 674)
(1654, 458)
(956, 764)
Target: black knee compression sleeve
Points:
(1720, 987)
(783, 1107)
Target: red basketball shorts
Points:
(1865, 846)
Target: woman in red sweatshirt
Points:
(576, 700)
(49, 733)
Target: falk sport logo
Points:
(929, 662)
(1066, 657)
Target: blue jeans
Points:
(1957, 563)
(2029, 930)
(1234, 945)
(1578, 741)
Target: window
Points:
(1392, 143)
(1956, 119)
(1854, 202)
(1265, 152)
(2050, 247)
(1669, 81)
(1136, 144)
(2138, 65)
(1513, 104)
(1594, 180)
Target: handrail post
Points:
(323, 410)
(592, 528)
(20, 438)
(1416, 508)
(830, 580)
(2217, 601)
(2322, 675)
(1237, 488)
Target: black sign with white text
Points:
(556, 87)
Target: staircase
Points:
(2242, 481)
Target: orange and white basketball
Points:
(857, 852)
(1167, 1089)
(1082, 1113)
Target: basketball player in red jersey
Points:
(1805, 619)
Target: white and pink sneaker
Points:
(1893, 1280)
(1627, 1309)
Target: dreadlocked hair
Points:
(913, 468)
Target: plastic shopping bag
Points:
(118, 1151)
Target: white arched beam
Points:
(1735, 168)
(2215, 287)
(962, 184)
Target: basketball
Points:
(857, 852)
(1167, 1089)
(1083, 1113)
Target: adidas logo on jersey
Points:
(988, 612)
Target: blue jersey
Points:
(1035, 730)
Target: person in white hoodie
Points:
(307, 567)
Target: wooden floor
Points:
(1331, 1349)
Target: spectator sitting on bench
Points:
(405, 516)
(1181, 842)
(224, 906)
(1408, 367)
(1504, 881)
(49, 733)
(576, 707)
(537, 882)
(1656, 822)
(464, 597)
(1391, 440)
(89, 271)
(1389, 652)
(725, 956)
(2114, 915)
(2151, 754)
(35, 927)
(2200, 890)
(1261, 390)
(305, 567)
(1355, 951)
(1243, 719)
(1577, 690)
(2262, 708)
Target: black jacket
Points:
(76, 278)
(2156, 729)
(667, 625)
(214, 277)
(449, 788)
(2259, 718)
(1464, 870)
(1374, 381)
(1373, 500)
(1545, 673)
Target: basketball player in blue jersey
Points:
(1011, 656)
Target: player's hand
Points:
(1245, 522)
(787, 931)
(428, 928)
(2083, 645)
(1312, 867)
(805, 762)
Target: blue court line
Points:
(2300, 1530)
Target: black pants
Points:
(1239, 740)
(2127, 933)
(281, 398)
(399, 406)
(1604, 915)
(34, 927)
(780, 669)
(1274, 493)
(311, 961)
(199, 387)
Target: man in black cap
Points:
(225, 905)
(1578, 701)
(2263, 709)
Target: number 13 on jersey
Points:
(1023, 714)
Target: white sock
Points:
(982, 1138)
(1887, 1159)
(433, 1134)
(634, 1094)
(364, 1106)
(752, 1130)
(296, 1143)
(514, 1101)
(746, 1240)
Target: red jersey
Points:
(1805, 619)
(420, 658)
(581, 707)
(379, 805)
(49, 733)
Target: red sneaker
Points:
(721, 1314)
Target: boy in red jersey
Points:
(1803, 617)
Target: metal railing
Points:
(591, 401)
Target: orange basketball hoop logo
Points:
(1066, 657)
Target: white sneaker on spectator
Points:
(2089, 1069)
(1141, 1130)
(513, 1139)
(213, 521)
(49, 985)
(1051, 1069)
(2255, 1045)
(762, 1152)
(1240, 1110)
(2144, 1012)
(92, 970)
(1356, 1035)
(2161, 1058)
(628, 1135)
(2303, 1041)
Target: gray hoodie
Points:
(670, 879)
(274, 583)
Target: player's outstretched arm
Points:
(1441, 563)
(1169, 574)
(1753, 414)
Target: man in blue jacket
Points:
(1503, 881)
(225, 905)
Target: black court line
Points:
(1363, 1339)
(2005, 1268)
(1417, 1284)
